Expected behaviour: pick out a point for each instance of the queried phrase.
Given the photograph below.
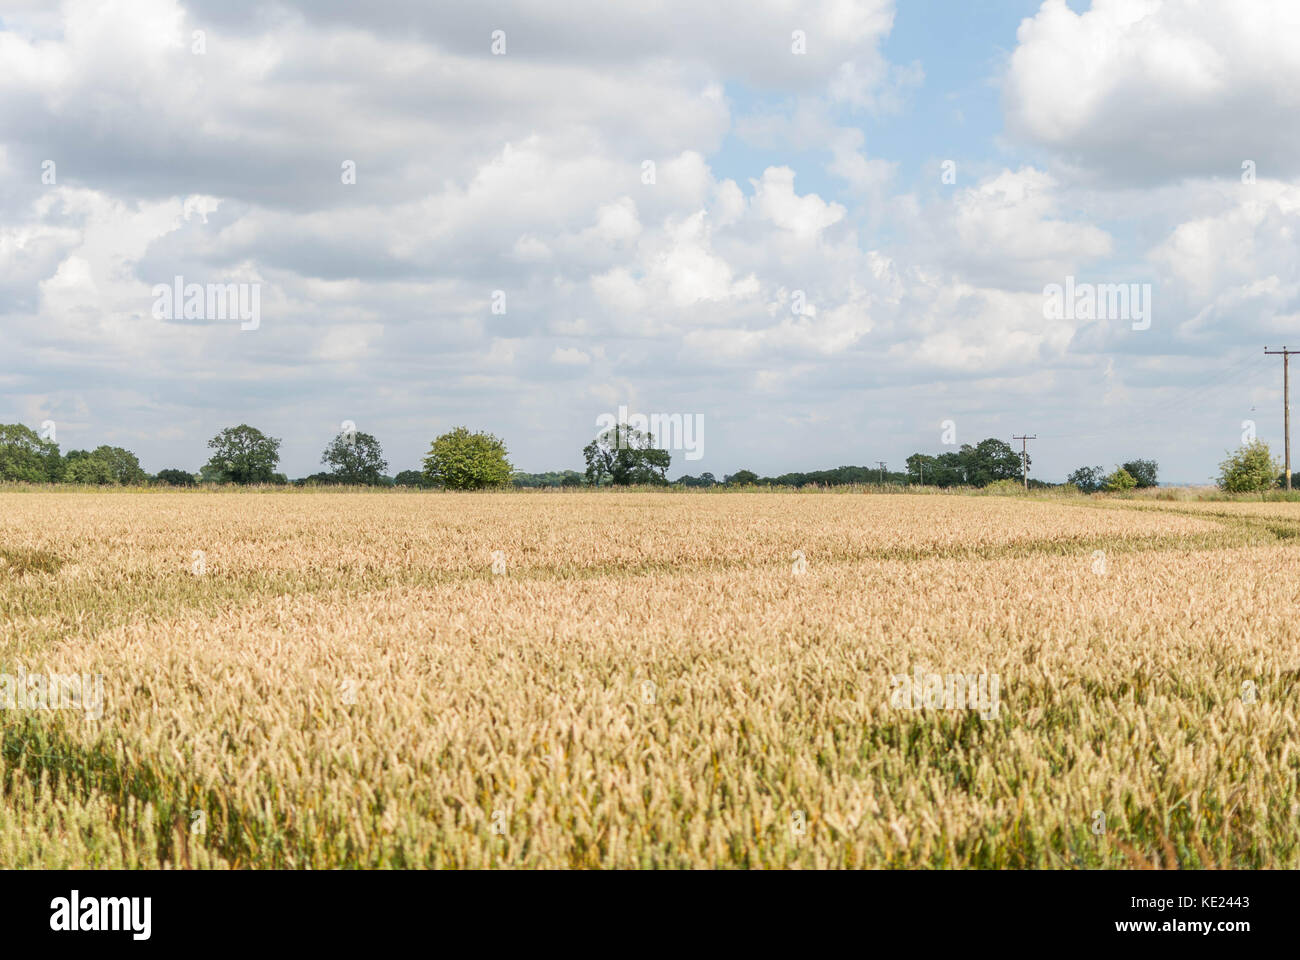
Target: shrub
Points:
(1250, 469)
(1120, 480)
(1005, 487)
(410, 478)
(176, 478)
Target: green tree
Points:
(951, 470)
(990, 460)
(176, 478)
(918, 465)
(82, 466)
(24, 456)
(123, 465)
(1120, 481)
(1143, 472)
(945, 470)
(976, 466)
(553, 478)
(355, 458)
(410, 478)
(318, 480)
(460, 460)
(1251, 468)
(703, 480)
(740, 478)
(244, 454)
(623, 455)
(1088, 479)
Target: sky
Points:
(827, 232)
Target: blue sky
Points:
(1101, 141)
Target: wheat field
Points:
(299, 679)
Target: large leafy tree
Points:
(25, 456)
(355, 458)
(1088, 479)
(740, 478)
(623, 455)
(990, 460)
(83, 466)
(1143, 472)
(945, 470)
(460, 460)
(975, 466)
(244, 454)
(122, 464)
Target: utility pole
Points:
(881, 463)
(1286, 403)
(1024, 456)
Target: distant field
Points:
(328, 679)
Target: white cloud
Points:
(1007, 228)
(1235, 271)
(805, 217)
(1153, 90)
(523, 174)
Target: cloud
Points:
(1007, 229)
(781, 268)
(1235, 272)
(1147, 91)
(805, 217)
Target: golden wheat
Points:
(325, 679)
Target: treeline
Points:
(1128, 476)
(462, 460)
(553, 478)
(245, 455)
(27, 457)
(838, 476)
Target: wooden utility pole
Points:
(1024, 456)
(882, 471)
(1286, 403)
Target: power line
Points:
(1180, 399)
